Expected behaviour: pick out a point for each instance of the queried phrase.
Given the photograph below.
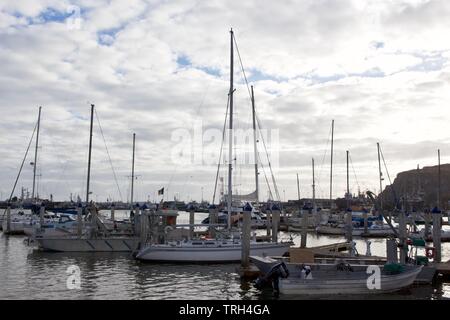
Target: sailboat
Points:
(14, 223)
(90, 236)
(216, 249)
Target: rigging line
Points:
(268, 159)
(385, 166)
(242, 66)
(396, 200)
(324, 155)
(354, 172)
(109, 157)
(265, 176)
(249, 93)
(21, 167)
(221, 149)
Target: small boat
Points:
(336, 279)
(208, 250)
(375, 230)
(445, 235)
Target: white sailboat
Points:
(215, 250)
(92, 236)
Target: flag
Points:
(161, 191)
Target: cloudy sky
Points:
(380, 69)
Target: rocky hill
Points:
(420, 187)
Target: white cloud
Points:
(379, 68)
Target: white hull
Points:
(371, 232)
(110, 244)
(15, 227)
(228, 253)
(389, 283)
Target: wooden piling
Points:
(349, 226)
(8, 220)
(275, 223)
(246, 230)
(268, 222)
(113, 216)
(402, 236)
(437, 217)
(391, 251)
(365, 221)
(143, 229)
(304, 233)
(191, 222)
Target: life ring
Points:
(429, 252)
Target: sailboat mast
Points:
(313, 188)
(89, 157)
(348, 186)
(331, 165)
(381, 176)
(132, 170)
(439, 180)
(255, 149)
(35, 154)
(230, 147)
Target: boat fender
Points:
(168, 229)
(306, 272)
(429, 252)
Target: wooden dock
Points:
(443, 268)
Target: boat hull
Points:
(61, 244)
(165, 253)
(347, 286)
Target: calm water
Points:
(29, 274)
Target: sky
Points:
(161, 69)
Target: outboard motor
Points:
(272, 277)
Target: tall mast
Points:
(439, 180)
(35, 154)
(230, 147)
(313, 188)
(255, 149)
(298, 189)
(331, 165)
(381, 176)
(132, 170)
(348, 186)
(89, 158)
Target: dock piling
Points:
(437, 218)
(8, 219)
(304, 234)
(246, 230)
(402, 236)
(191, 222)
(275, 222)
(113, 212)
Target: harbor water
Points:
(26, 273)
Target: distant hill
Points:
(419, 187)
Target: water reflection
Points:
(28, 274)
